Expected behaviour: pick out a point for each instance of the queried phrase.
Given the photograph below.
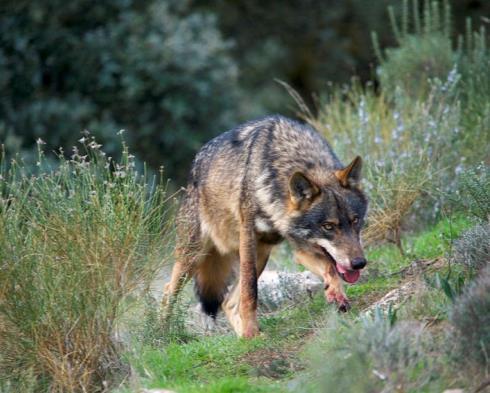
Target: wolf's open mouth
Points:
(350, 276)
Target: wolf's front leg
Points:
(325, 268)
(231, 303)
(334, 288)
(248, 278)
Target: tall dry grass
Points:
(75, 241)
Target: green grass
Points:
(226, 364)
(431, 243)
(201, 360)
(221, 363)
(386, 261)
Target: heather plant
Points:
(426, 54)
(155, 330)
(470, 318)
(75, 241)
(372, 354)
(472, 248)
(474, 192)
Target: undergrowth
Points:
(75, 241)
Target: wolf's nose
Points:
(358, 263)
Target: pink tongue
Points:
(351, 276)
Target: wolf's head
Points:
(327, 218)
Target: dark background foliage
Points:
(175, 73)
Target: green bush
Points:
(424, 51)
(471, 319)
(159, 69)
(75, 241)
(474, 191)
(472, 248)
(427, 56)
(370, 355)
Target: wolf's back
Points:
(273, 144)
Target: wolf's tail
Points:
(210, 298)
(211, 282)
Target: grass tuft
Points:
(75, 241)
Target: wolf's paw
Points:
(250, 331)
(336, 295)
(344, 306)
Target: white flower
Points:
(39, 141)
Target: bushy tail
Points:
(210, 298)
(211, 282)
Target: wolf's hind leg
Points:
(231, 305)
(183, 270)
(189, 249)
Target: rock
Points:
(395, 296)
(277, 288)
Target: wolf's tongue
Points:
(351, 276)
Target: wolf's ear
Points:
(351, 174)
(301, 189)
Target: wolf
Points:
(252, 187)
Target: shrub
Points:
(472, 248)
(370, 355)
(424, 49)
(426, 55)
(75, 241)
(156, 330)
(474, 191)
(471, 319)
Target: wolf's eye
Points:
(328, 226)
(355, 220)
